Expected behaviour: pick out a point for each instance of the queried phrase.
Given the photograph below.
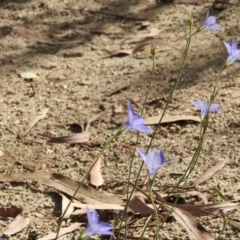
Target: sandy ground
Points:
(77, 80)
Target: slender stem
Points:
(151, 182)
(226, 221)
(203, 131)
(181, 67)
(145, 226)
(120, 131)
(153, 53)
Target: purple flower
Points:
(210, 23)
(135, 121)
(154, 160)
(95, 227)
(233, 52)
(204, 107)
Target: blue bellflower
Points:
(233, 52)
(210, 23)
(95, 227)
(154, 160)
(204, 107)
(135, 121)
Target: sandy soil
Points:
(77, 80)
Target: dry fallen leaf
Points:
(39, 115)
(208, 209)
(200, 195)
(28, 75)
(36, 36)
(32, 35)
(168, 119)
(55, 79)
(65, 202)
(1, 153)
(118, 108)
(10, 212)
(188, 1)
(106, 28)
(96, 178)
(121, 53)
(75, 138)
(235, 224)
(101, 206)
(118, 90)
(63, 231)
(17, 225)
(135, 98)
(194, 229)
(64, 184)
(208, 174)
(138, 206)
(153, 32)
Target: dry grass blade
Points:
(194, 229)
(63, 231)
(76, 138)
(17, 225)
(208, 174)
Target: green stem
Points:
(151, 182)
(181, 67)
(120, 131)
(153, 53)
(226, 221)
(203, 131)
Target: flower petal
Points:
(228, 46)
(215, 108)
(233, 52)
(154, 160)
(95, 227)
(105, 229)
(135, 121)
(143, 154)
(210, 20)
(92, 216)
(210, 23)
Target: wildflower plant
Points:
(95, 227)
(155, 159)
(210, 23)
(233, 52)
(205, 108)
(135, 121)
